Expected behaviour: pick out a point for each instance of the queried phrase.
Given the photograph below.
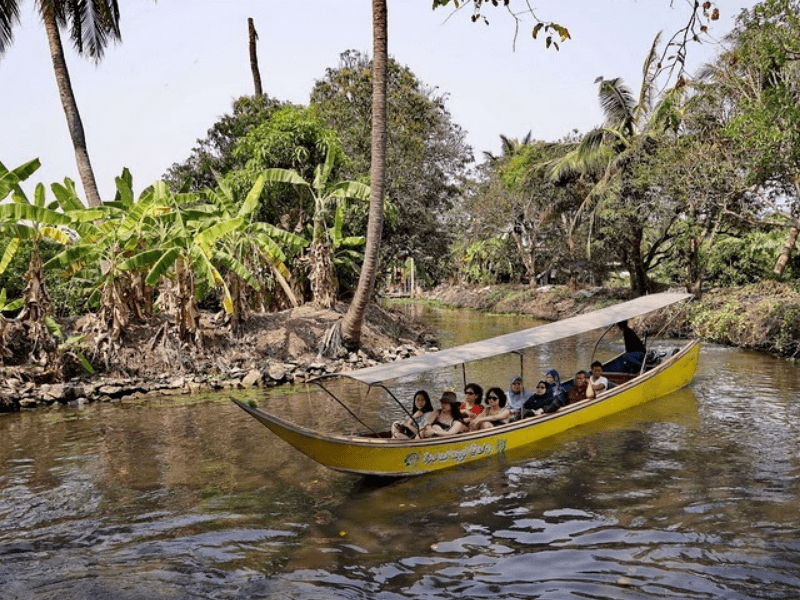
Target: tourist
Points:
(496, 413)
(473, 402)
(447, 420)
(598, 382)
(421, 410)
(541, 401)
(580, 388)
(516, 397)
(557, 390)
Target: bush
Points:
(734, 262)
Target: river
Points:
(692, 496)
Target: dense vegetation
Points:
(695, 185)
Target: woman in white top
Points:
(420, 411)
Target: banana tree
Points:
(325, 196)
(249, 251)
(24, 221)
(106, 237)
(183, 262)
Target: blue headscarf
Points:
(557, 390)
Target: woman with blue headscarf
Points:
(548, 397)
(557, 390)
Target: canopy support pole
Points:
(347, 408)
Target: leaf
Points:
(251, 202)
(284, 176)
(537, 29)
(141, 260)
(354, 240)
(14, 305)
(10, 180)
(84, 363)
(19, 212)
(351, 189)
(39, 195)
(207, 237)
(56, 235)
(9, 253)
(67, 196)
(53, 327)
(162, 266)
(563, 32)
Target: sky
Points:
(180, 65)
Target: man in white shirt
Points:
(597, 381)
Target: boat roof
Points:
(517, 341)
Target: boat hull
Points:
(397, 458)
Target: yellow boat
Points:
(378, 454)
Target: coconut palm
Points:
(92, 25)
(508, 147)
(354, 318)
(632, 129)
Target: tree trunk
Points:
(70, 108)
(322, 275)
(528, 257)
(354, 319)
(254, 56)
(786, 253)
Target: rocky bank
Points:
(268, 350)
(282, 348)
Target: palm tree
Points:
(633, 127)
(509, 147)
(354, 318)
(93, 24)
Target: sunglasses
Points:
(469, 393)
(493, 398)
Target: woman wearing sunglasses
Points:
(495, 413)
(473, 398)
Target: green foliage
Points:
(767, 117)
(735, 262)
(213, 155)
(485, 262)
(67, 294)
(426, 162)
(763, 316)
(293, 139)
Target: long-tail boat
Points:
(376, 453)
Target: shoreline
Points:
(280, 348)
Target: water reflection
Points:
(692, 496)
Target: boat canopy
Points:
(518, 341)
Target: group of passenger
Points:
(500, 408)
(549, 396)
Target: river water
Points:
(692, 496)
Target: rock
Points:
(8, 404)
(252, 378)
(296, 347)
(277, 371)
(54, 393)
